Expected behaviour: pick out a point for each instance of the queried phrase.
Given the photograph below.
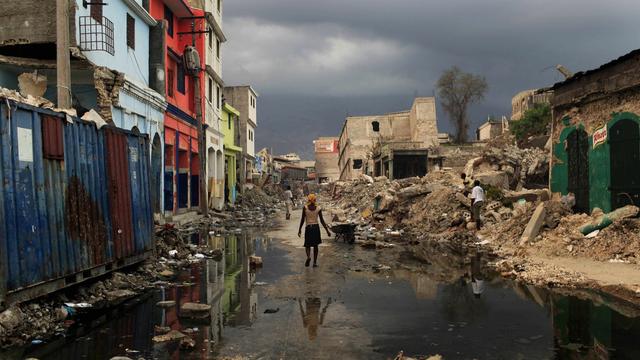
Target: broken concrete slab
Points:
(535, 224)
(528, 195)
(499, 179)
(11, 318)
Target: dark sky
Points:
(314, 62)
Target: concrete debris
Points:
(94, 117)
(32, 84)
(535, 224)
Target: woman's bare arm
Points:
(326, 227)
(301, 223)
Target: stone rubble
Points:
(432, 215)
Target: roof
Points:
(230, 109)
(255, 93)
(582, 74)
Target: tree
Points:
(458, 90)
(534, 122)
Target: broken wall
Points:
(594, 102)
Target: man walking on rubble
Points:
(477, 194)
(288, 198)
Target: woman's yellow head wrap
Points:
(311, 199)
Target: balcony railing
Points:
(96, 35)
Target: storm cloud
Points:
(314, 62)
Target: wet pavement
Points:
(286, 311)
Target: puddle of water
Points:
(475, 317)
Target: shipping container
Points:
(74, 204)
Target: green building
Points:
(596, 136)
(232, 151)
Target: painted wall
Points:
(134, 63)
(599, 163)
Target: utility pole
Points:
(202, 139)
(63, 59)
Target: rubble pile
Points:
(619, 242)
(511, 167)
(40, 320)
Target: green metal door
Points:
(624, 142)
(577, 151)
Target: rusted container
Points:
(74, 202)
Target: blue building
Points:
(117, 65)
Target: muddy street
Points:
(352, 305)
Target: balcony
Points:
(96, 35)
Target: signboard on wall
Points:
(600, 136)
(326, 146)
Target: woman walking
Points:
(311, 214)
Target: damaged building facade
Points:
(112, 69)
(326, 154)
(596, 135)
(396, 145)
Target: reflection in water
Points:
(476, 313)
(477, 277)
(312, 318)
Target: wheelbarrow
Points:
(344, 231)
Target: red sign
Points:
(326, 146)
(600, 136)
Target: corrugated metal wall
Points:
(73, 198)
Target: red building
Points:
(185, 26)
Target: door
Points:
(578, 154)
(156, 173)
(624, 142)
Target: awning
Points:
(194, 145)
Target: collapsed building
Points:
(596, 135)
(395, 145)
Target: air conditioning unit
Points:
(191, 60)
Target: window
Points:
(181, 79)
(210, 91)
(131, 32)
(168, 15)
(170, 82)
(219, 5)
(250, 135)
(218, 48)
(376, 126)
(219, 97)
(357, 163)
(210, 38)
(96, 12)
(229, 121)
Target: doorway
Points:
(624, 142)
(578, 156)
(156, 173)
